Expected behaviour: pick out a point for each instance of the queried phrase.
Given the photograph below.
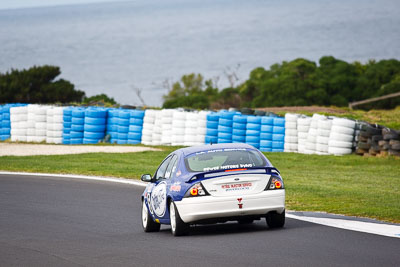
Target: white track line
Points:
(84, 177)
(366, 227)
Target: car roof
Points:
(194, 149)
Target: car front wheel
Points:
(147, 222)
(275, 220)
(178, 227)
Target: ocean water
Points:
(115, 47)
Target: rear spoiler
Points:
(201, 175)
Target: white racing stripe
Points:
(359, 226)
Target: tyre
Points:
(267, 121)
(278, 130)
(344, 122)
(342, 130)
(392, 135)
(147, 222)
(253, 119)
(178, 227)
(225, 122)
(253, 126)
(275, 220)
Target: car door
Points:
(158, 196)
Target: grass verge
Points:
(350, 185)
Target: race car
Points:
(213, 184)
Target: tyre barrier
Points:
(94, 125)
(341, 136)
(239, 125)
(77, 126)
(225, 128)
(253, 131)
(291, 139)
(135, 127)
(123, 126)
(322, 140)
(67, 123)
(266, 134)
(212, 128)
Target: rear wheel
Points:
(275, 220)
(147, 222)
(178, 227)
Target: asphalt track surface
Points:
(47, 221)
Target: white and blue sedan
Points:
(213, 184)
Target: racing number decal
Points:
(158, 201)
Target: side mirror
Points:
(146, 178)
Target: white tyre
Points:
(302, 135)
(40, 125)
(178, 124)
(30, 124)
(334, 143)
(18, 132)
(190, 131)
(201, 131)
(178, 131)
(41, 132)
(200, 139)
(339, 150)
(322, 140)
(146, 138)
(148, 126)
(303, 128)
(321, 148)
(292, 132)
(166, 127)
(202, 123)
(147, 143)
(325, 124)
(149, 120)
(291, 117)
(167, 113)
(178, 115)
(156, 137)
(344, 122)
(58, 119)
(312, 131)
(291, 125)
(341, 137)
(191, 124)
(312, 138)
(310, 146)
(166, 120)
(304, 121)
(57, 133)
(342, 130)
(290, 147)
(40, 118)
(323, 132)
(57, 126)
(309, 151)
(30, 132)
(291, 139)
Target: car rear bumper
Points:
(209, 207)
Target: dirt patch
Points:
(311, 109)
(18, 149)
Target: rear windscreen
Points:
(224, 159)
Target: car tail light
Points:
(275, 182)
(196, 190)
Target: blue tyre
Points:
(122, 136)
(135, 128)
(227, 115)
(123, 122)
(277, 150)
(212, 124)
(112, 128)
(211, 139)
(136, 121)
(225, 122)
(90, 141)
(266, 143)
(240, 119)
(75, 135)
(78, 113)
(224, 129)
(278, 130)
(253, 133)
(67, 125)
(254, 119)
(267, 128)
(227, 136)
(124, 114)
(77, 127)
(112, 121)
(240, 126)
(135, 136)
(94, 128)
(267, 120)
(123, 129)
(78, 120)
(212, 132)
(95, 113)
(67, 118)
(252, 139)
(277, 145)
(138, 114)
(213, 117)
(238, 131)
(253, 126)
(278, 137)
(239, 138)
(265, 149)
(265, 136)
(122, 141)
(133, 141)
(113, 113)
(91, 120)
(76, 141)
(224, 141)
(67, 112)
(256, 145)
(93, 135)
(279, 122)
